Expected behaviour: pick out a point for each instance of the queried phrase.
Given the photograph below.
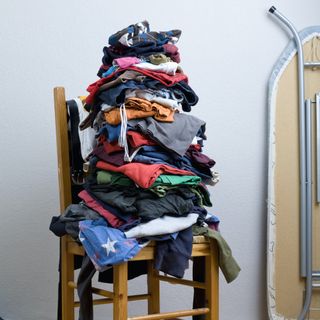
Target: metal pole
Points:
(303, 235)
(308, 294)
(318, 144)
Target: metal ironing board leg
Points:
(305, 167)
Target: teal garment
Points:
(108, 177)
(227, 263)
(174, 180)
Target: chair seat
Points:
(201, 247)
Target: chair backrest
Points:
(62, 147)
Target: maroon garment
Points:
(166, 79)
(198, 159)
(114, 154)
(111, 147)
(114, 221)
(137, 139)
(116, 158)
(142, 174)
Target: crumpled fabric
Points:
(106, 246)
(137, 108)
(227, 262)
(139, 35)
(184, 128)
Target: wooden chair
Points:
(119, 297)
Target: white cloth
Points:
(86, 136)
(166, 67)
(163, 225)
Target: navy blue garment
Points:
(115, 96)
(172, 256)
(111, 132)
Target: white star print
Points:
(109, 246)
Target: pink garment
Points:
(143, 174)
(126, 62)
(114, 221)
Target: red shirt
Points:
(143, 174)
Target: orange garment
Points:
(140, 108)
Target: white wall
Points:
(228, 49)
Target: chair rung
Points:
(136, 297)
(98, 291)
(95, 302)
(170, 315)
(184, 282)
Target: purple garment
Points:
(115, 158)
(106, 246)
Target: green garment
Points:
(108, 177)
(227, 263)
(161, 191)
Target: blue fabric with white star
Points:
(106, 246)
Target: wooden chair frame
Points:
(119, 297)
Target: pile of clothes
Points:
(147, 174)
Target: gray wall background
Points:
(228, 49)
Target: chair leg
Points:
(67, 274)
(212, 283)
(120, 290)
(153, 289)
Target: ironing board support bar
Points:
(308, 290)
